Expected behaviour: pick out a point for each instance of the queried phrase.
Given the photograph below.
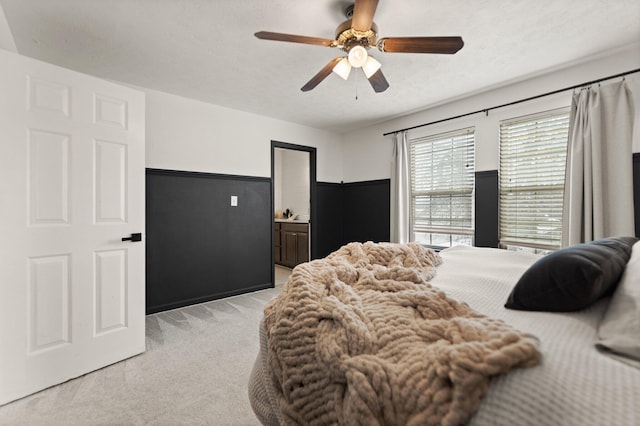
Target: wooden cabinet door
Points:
(302, 249)
(289, 248)
(291, 243)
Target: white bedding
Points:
(574, 385)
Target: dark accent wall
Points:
(199, 247)
(329, 218)
(351, 212)
(486, 209)
(366, 211)
(636, 190)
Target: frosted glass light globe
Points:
(343, 68)
(370, 66)
(357, 56)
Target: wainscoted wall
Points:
(351, 212)
(486, 209)
(329, 218)
(366, 212)
(199, 247)
(359, 211)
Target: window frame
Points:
(466, 137)
(550, 182)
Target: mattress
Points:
(575, 384)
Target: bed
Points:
(572, 368)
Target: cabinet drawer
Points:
(295, 227)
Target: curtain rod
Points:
(486, 110)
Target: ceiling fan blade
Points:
(267, 35)
(322, 74)
(363, 11)
(448, 45)
(378, 82)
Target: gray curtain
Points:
(598, 197)
(400, 190)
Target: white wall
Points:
(184, 134)
(367, 153)
(291, 189)
(6, 38)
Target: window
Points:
(533, 151)
(442, 183)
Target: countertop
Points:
(290, 221)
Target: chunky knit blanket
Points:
(360, 337)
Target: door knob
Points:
(134, 237)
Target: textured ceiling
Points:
(205, 49)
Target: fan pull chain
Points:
(357, 81)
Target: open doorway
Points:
(293, 183)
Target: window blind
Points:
(533, 152)
(442, 183)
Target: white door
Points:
(71, 186)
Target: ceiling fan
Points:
(358, 34)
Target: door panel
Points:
(48, 174)
(48, 302)
(110, 290)
(72, 185)
(110, 181)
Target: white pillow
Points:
(619, 331)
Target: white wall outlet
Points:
(234, 201)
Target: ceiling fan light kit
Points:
(358, 34)
(343, 68)
(357, 56)
(371, 66)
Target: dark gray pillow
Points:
(572, 278)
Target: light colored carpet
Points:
(281, 275)
(195, 371)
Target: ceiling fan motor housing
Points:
(348, 37)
